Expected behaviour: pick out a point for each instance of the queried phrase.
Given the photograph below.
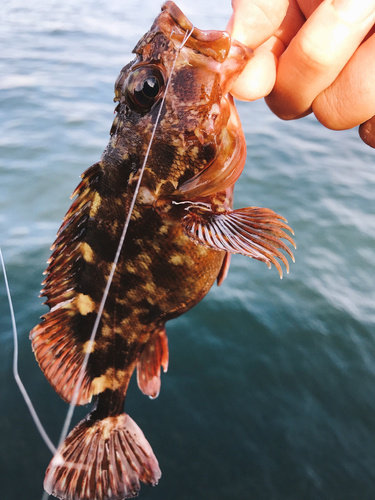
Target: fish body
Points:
(180, 236)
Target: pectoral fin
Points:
(251, 231)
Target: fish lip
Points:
(173, 22)
(178, 16)
(201, 35)
(174, 25)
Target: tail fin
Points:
(102, 460)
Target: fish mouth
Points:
(218, 46)
(211, 43)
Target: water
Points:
(270, 392)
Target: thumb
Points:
(253, 22)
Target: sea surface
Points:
(270, 393)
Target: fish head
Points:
(181, 76)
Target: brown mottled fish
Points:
(181, 233)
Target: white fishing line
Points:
(45, 496)
(73, 403)
(17, 378)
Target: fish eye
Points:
(143, 88)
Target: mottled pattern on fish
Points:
(181, 233)
(157, 278)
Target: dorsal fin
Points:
(57, 348)
(251, 231)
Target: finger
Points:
(367, 132)
(308, 6)
(318, 53)
(350, 100)
(258, 78)
(259, 75)
(294, 19)
(254, 21)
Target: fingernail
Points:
(354, 11)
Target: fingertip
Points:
(327, 108)
(257, 79)
(279, 105)
(350, 99)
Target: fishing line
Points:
(73, 403)
(15, 367)
(38, 424)
(45, 496)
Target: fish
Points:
(173, 107)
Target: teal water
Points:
(270, 393)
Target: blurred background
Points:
(270, 392)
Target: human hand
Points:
(310, 56)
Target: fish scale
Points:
(179, 239)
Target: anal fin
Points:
(154, 355)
